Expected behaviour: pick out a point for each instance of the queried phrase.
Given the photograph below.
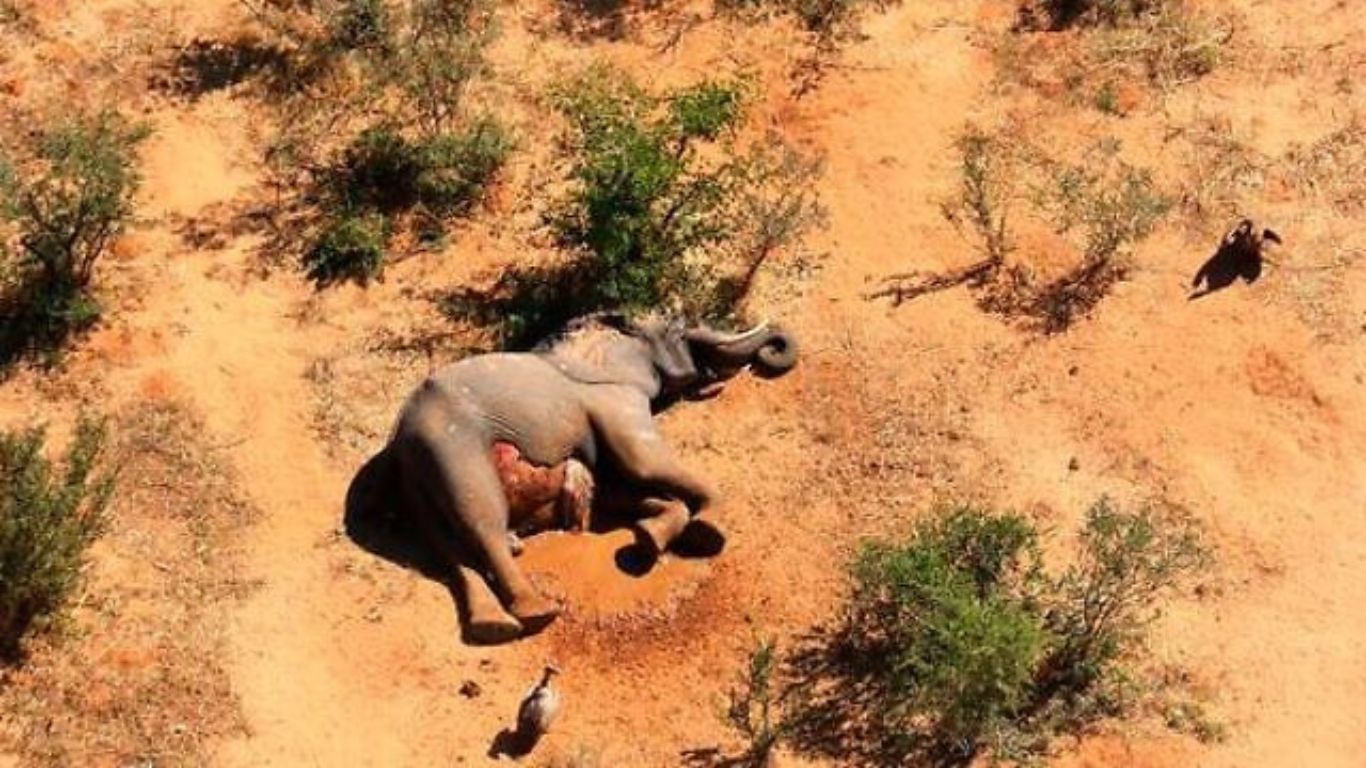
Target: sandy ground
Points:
(1247, 407)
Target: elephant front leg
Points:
(664, 521)
(673, 494)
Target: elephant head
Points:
(683, 360)
(768, 347)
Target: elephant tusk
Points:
(747, 335)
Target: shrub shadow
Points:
(206, 66)
(837, 694)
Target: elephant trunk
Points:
(769, 347)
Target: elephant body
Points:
(507, 442)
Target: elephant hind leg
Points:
(486, 621)
(464, 489)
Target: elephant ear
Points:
(590, 351)
(585, 372)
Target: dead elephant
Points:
(470, 439)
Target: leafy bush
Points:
(47, 519)
(393, 75)
(64, 201)
(957, 641)
(349, 248)
(456, 168)
(1101, 605)
(949, 611)
(666, 209)
(445, 174)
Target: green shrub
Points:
(360, 25)
(379, 169)
(395, 73)
(948, 610)
(455, 169)
(957, 642)
(1101, 605)
(349, 248)
(665, 209)
(65, 200)
(48, 517)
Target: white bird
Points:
(539, 707)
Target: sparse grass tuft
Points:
(1160, 43)
(1333, 167)
(752, 708)
(1168, 48)
(48, 517)
(63, 200)
(1222, 171)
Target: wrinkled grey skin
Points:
(586, 395)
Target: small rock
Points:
(470, 689)
(1073, 465)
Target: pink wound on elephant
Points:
(542, 497)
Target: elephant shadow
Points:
(376, 520)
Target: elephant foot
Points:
(661, 530)
(493, 630)
(534, 612)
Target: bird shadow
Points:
(1239, 255)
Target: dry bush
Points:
(1111, 48)
(828, 20)
(138, 678)
(1106, 203)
